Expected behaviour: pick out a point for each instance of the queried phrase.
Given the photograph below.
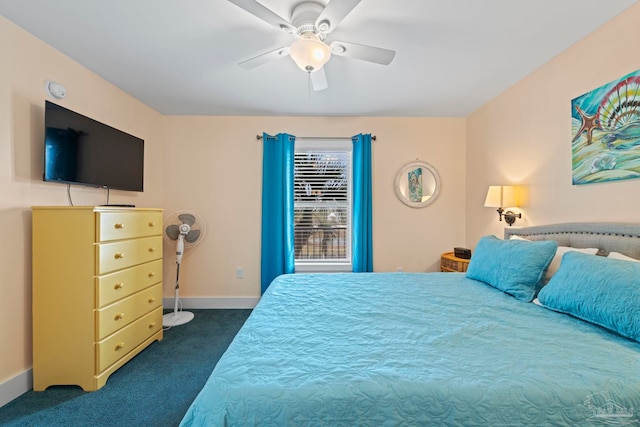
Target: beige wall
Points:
(524, 137)
(25, 64)
(214, 168)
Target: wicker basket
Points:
(449, 262)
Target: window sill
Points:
(309, 267)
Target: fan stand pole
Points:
(176, 318)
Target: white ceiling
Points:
(180, 56)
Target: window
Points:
(322, 205)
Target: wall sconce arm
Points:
(510, 217)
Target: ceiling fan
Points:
(310, 23)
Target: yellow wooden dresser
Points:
(97, 291)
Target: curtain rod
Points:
(259, 137)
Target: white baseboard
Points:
(14, 387)
(217, 302)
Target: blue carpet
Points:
(154, 389)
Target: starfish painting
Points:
(612, 153)
(589, 123)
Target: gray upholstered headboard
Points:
(606, 236)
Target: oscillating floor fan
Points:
(185, 229)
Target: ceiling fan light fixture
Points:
(309, 53)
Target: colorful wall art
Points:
(605, 125)
(415, 185)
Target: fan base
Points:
(176, 319)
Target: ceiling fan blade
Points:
(319, 80)
(267, 15)
(264, 58)
(334, 13)
(363, 52)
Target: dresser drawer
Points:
(119, 255)
(122, 342)
(115, 286)
(123, 312)
(125, 225)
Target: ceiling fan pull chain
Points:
(309, 84)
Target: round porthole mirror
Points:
(417, 184)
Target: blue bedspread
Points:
(412, 349)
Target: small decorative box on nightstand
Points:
(449, 262)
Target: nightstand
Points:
(449, 262)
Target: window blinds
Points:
(322, 198)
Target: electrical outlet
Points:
(239, 273)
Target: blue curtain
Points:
(277, 207)
(362, 241)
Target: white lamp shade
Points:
(494, 197)
(309, 53)
(501, 196)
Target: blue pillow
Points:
(514, 266)
(600, 290)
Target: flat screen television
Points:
(80, 150)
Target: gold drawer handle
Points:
(119, 255)
(152, 299)
(152, 324)
(119, 226)
(119, 346)
(152, 249)
(118, 286)
(151, 274)
(118, 316)
(152, 224)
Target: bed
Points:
(395, 349)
